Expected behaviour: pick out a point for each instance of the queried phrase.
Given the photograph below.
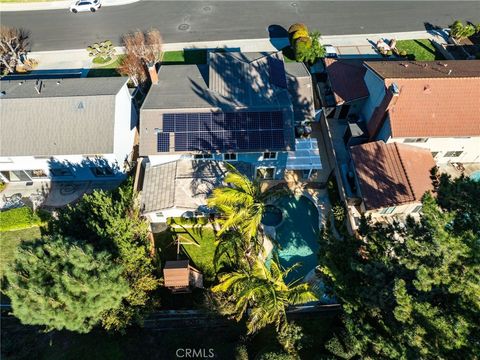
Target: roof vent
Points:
(395, 89)
(20, 83)
(3, 93)
(404, 65)
(449, 72)
(58, 82)
(426, 89)
(80, 106)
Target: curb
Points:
(55, 5)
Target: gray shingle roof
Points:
(230, 80)
(75, 116)
(182, 184)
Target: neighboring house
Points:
(179, 188)
(391, 178)
(430, 104)
(240, 107)
(65, 129)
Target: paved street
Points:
(181, 21)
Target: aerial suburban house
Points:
(432, 105)
(239, 107)
(73, 129)
(391, 178)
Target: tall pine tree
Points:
(411, 291)
(62, 283)
(111, 221)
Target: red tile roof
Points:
(436, 107)
(435, 100)
(346, 78)
(391, 174)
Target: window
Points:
(36, 174)
(101, 171)
(417, 209)
(269, 155)
(435, 153)
(415, 140)
(230, 157)
(453, 153)
(61, 172)
(389, 210)
(265, 173)
(203, 156)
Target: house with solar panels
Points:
(239, 107)
(65, 130)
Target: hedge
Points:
(296, 27)
(21, 218)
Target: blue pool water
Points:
(475, 176)
(297, 235)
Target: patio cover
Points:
(305, 157)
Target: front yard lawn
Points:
(187, 56)
(109, 69)
(198, 244)
(9, 242)
(421, 50)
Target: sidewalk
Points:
(53, 5)
(349, 46)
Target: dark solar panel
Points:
(163, 142)
(168, 122)
(226, 131)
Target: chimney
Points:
(152, 72)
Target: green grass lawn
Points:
(187, 56)
(198, 245)
(109, 69)
(421, 49)
(9, 240)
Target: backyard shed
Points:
(179, 276)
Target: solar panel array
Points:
(242, 131)
(163, 142)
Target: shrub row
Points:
(21, 218)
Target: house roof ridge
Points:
(400, 158)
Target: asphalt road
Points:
(181, 21)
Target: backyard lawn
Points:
(9, 240)
(198, 244)
(421, 50)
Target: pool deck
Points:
(469, 169)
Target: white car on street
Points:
(86, 5)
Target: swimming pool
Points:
(475, 176)
(296, 237)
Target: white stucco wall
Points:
(376, 88)
(125, 126)
(470, 147)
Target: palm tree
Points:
(233, 251)
(241, 202)
(262, 290)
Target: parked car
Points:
(330, 51)
(86, 5)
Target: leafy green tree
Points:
(111, 221)
(311, 50)
(460, 31)
(62, 283)
(290, 337)
(263, 291)
(410, 291)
